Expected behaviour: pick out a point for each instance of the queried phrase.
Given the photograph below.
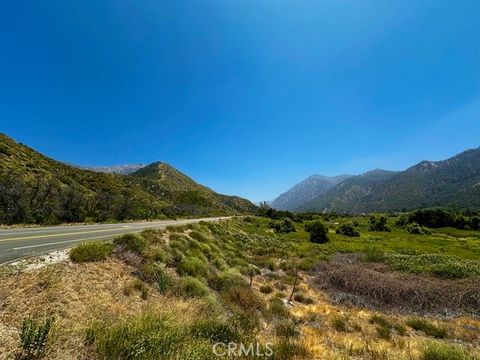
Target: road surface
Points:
(21, 242)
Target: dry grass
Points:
(76, 295)
(373, 285)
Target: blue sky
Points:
(247, 97)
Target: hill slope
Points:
(454, 182)
(305, 191)
(37, 189)
(348, 195)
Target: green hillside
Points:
(453, 183)
(37, 189)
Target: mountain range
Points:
(38, 189)
(116, 169)
(306, 191)
(453, 183)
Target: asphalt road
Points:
(21, 242)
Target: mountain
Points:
(305, 191)
(454, 182)
(37, 189)
(117, 169)
(349, 194)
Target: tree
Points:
(318, 232)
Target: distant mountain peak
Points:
(117, 169)
(306, 190)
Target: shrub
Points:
(318, 232)
(348, 229)
(427, 327)
(340, 324)
(90, 251)
(475, 223)
(226, 280)
(245, 299)
(192, 287)
(276, 308)
(34, 338)
(266, 289)
(130, 242)
(378, 223)
(414, 228)
(192, 266)
(303, 299)
(384, 332)
(164, 281)
(284, 227)
(379, 320)
(442, 351)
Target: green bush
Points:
(130, 242)
(228, 279)
(414, 228)
(192, 287)
(427, 328)
(318, 232)
(284, 227)
(378, 223)
(442, 351)
(348, 229)
(90, 251)
(34, 338)
(192, 266)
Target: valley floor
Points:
(175, 293)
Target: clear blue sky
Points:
(247, 97)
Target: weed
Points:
(340, 324)
(442, 351)
(427, 328)
(34, 338)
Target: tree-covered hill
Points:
(37, 189)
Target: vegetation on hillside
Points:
(37, 189)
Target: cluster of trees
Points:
(41, 199)
(437, 218)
